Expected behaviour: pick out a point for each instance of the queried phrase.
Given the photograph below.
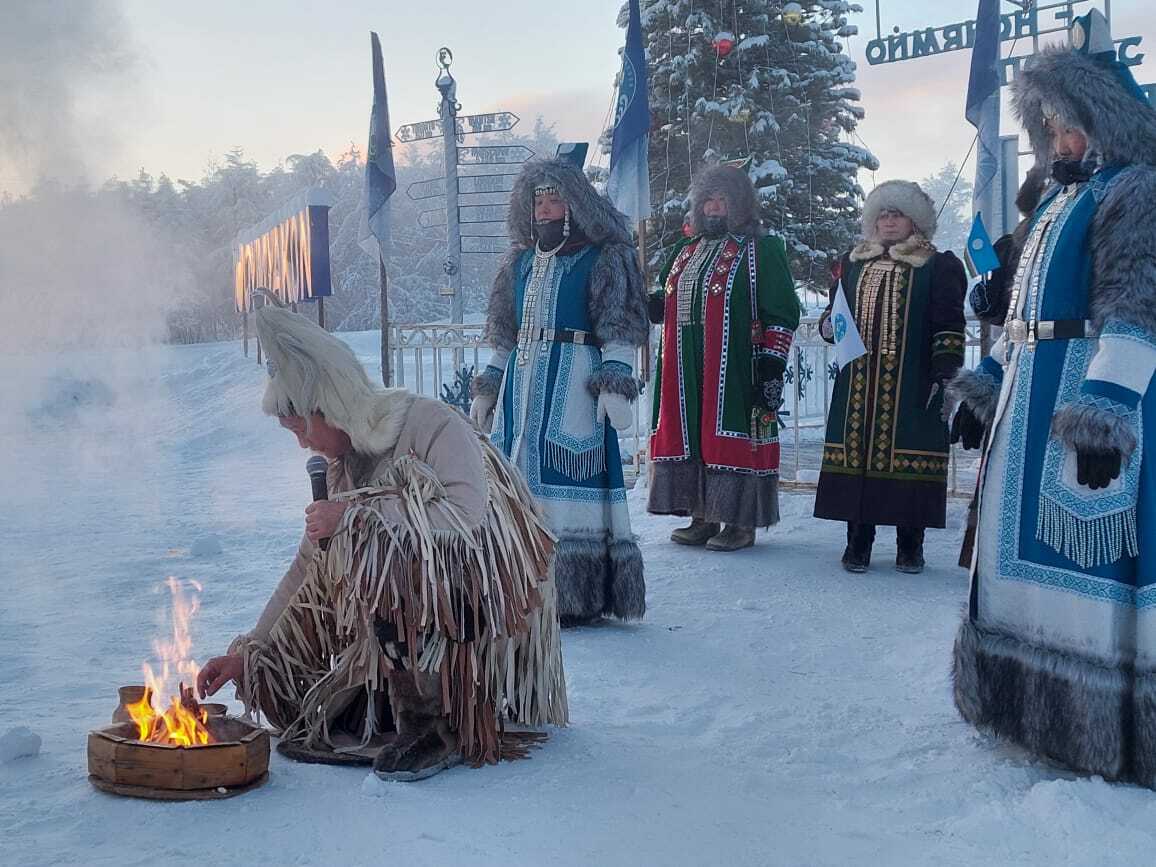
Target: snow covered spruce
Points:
(432, 598)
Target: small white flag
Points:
(848, 343)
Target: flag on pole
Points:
(980, 252)
(848, 343)
(380, 176)
(983, 107)
(629, 184)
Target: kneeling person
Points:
(433, 589)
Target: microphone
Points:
(317, 467)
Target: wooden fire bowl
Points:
(238, 762)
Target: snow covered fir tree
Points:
(765, 80)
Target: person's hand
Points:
(1098, 468)
(967, 429)
(217, 672)
(322, 518)
(826, 328)
(617, 408)
(482, 411)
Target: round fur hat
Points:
(310, 370)
(908, 198)
(742, 203)
(591, 212)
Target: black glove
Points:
(768, 383)
(656, 306)
(1097, 469)
(967, 428)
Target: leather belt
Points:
(564, 335)
(1019, 331)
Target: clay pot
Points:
(128, 695)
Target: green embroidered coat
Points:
(886, 450)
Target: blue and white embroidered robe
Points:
(1059, 650)
(546, 422)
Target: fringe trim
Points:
(426, 581)
(579, 466)
(1088, 543)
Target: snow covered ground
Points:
(771, 709)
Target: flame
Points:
(182, 723)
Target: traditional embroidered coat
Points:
(886, 451)
(714, 453)
(1059, 649)
(546, 422)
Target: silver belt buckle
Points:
(1046, 330)
(1017, 331)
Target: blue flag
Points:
(380, 176)
(629, 183)
(979, 249)
(983, 108)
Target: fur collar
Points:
(379, 424)
(916, 251)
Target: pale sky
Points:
(284, 78)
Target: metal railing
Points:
(426, 359)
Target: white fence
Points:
(426, 359)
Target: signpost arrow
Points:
(484, 244)
(426, 189)
(498, 121)
(487, 230)
(473, 184)
(483, 213)
(493, 155)
(431, 219)
(468, 124)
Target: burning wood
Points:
(183, 722)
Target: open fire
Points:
(183, 723)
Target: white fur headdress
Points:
(904, 196)
(310, 370)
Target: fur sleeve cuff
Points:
(1092, 425)
(978, 388)
(487, 383)
(613, 377)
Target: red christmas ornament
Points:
(724, 43)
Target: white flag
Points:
(848, 343)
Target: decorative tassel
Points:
(579, 466)
(1087, 543)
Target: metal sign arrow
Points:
(468, 124)
(469, 185)
(431, 219)
(484, 244)
(427, 129)
(493, 155)
(482, 213)
(498, 121)
(426, 189)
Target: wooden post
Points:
(321, 311)
(386, 377)
(245, 331)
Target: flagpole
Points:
(646, 288)
(386, 372)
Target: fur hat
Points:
(906, 197)
(742, 203)
(311, 370)
(593, 214)
(1090, 95)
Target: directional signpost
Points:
(486, 221)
